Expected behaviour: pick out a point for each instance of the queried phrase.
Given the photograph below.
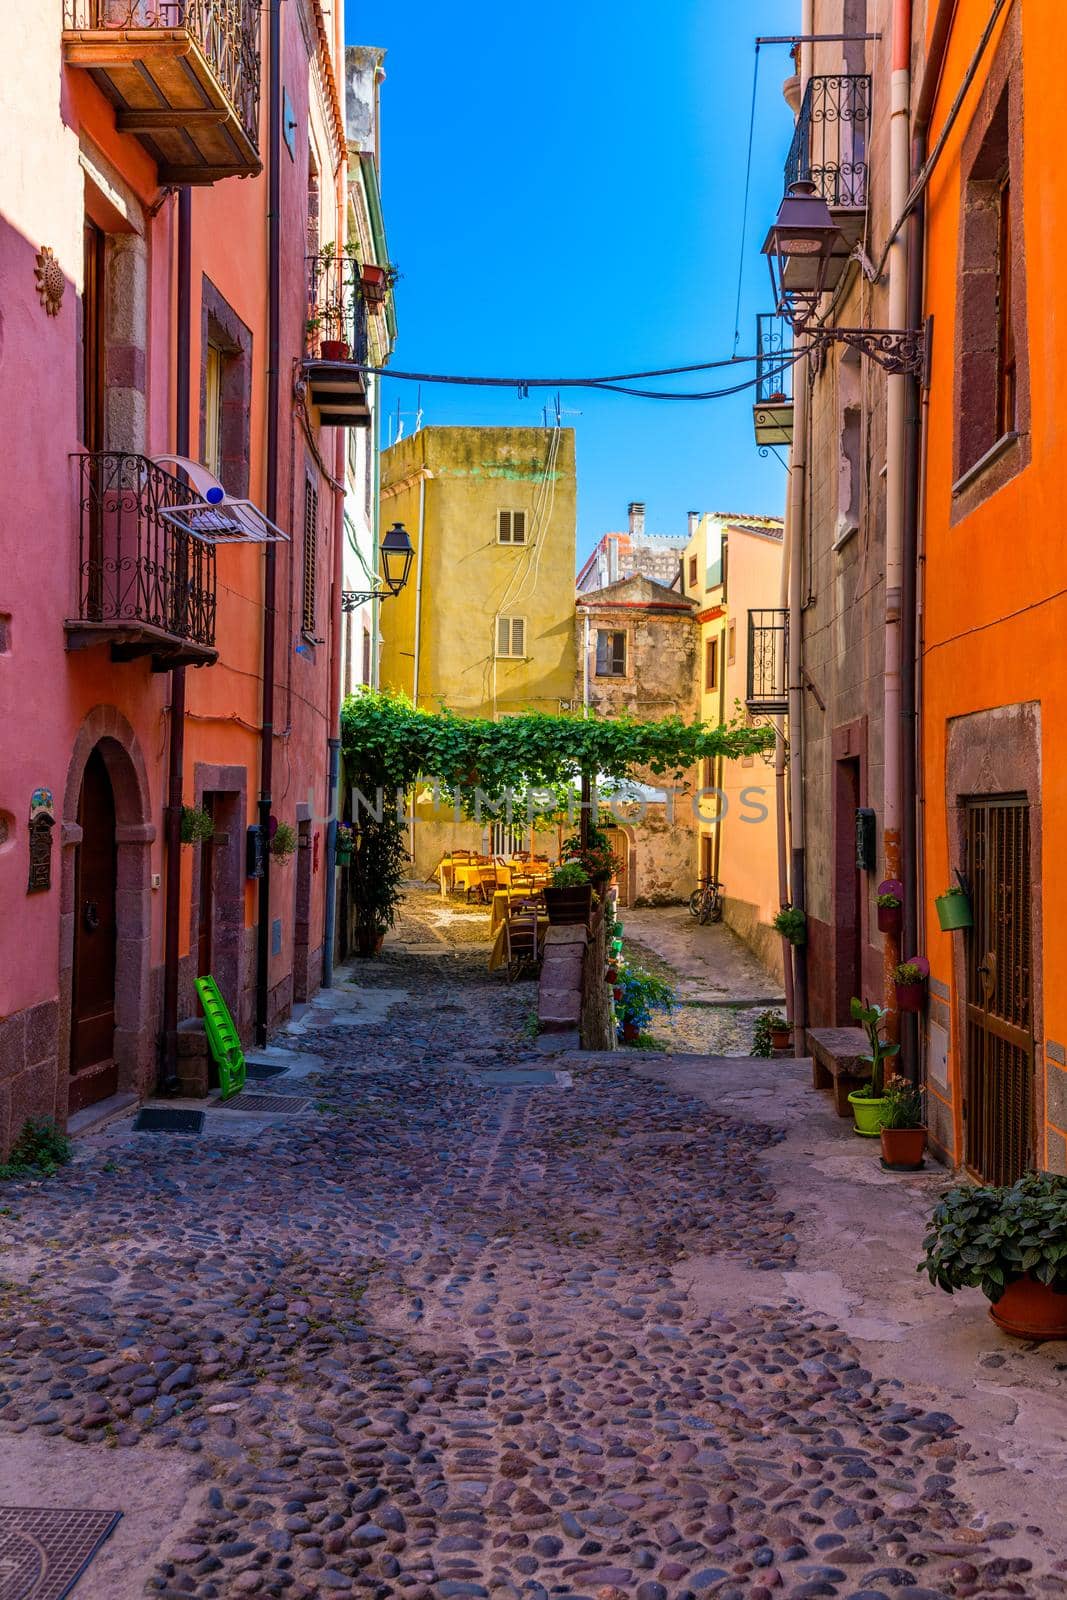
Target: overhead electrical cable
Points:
(786, 360)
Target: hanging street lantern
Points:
(396, 552)
(799, 250)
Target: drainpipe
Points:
(585, 666)
(176, 753)
(333, 743)
(780, 794)
(418, 589)
(270, 569)
(896, 411)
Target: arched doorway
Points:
(93, 1071)
(622, 849)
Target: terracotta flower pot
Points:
(780, 1038)
(910, 996)
(1030, 1310)
(617, 992)
(611, 975)
(334, 349)
(630, 1032)
(903, 1147)
(889, 919)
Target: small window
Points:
(511, 527)
(711, 664)
(610, 653)
(311, 529)
(707, 773)
(692, 572)
(511, 636)
(731, 643)
(213, 410)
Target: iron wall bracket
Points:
(896, 352)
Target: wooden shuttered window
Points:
(511, 636)
(311, 539)
(610, 653)
(511, 527)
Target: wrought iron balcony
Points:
(145, 587)
(183, 76)
(772, 414)
(767, 688)
(829, 149)
(337, 341)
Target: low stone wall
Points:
(574, 1001)
(743, 917)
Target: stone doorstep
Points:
(94, 1117)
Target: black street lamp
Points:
(397, 555)
(800, 249)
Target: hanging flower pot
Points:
(909, 981)
(375, 282)
(954, 910)
(890, 905)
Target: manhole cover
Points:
(167, 1119)
(43, 1553)
(263, 1102)
(263, 1069)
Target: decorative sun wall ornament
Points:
(50, 280)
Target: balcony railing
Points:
(337, 340)
(768, 633)
(772, 413)
(144, 586)
(183, 75)
(829, 145)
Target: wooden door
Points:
(620, 850)
(847, 896)
(206, 917)
(94, 1075)
(998, 1108)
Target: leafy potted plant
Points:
(909, 981)
(344, 844)
(641, 994)
(868, 1102)
(791, 923)
(611, 974)
(197, 826)
(283, 841)
(1010, 1242)
(954, 909)
(569, 897)
(772, 1032)
(376, 281)
(595, 856)
(890, 905)
(903, 1126)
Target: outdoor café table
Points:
(454, 875)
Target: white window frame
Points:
(510, 654)
(511, 512)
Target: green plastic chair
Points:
(223, 1038)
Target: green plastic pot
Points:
(953, 910)
(868, 1114)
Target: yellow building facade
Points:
(733, 566)
(485, 625)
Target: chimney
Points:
(636, 509)
(694, 518)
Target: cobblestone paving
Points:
(427, 1341)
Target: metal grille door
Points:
(999, 1074)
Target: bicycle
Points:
(705, 903)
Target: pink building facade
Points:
(152, 309)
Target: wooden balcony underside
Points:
(339, 390)
(165, 92)
(133, 639)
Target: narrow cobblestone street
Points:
(475, 1320)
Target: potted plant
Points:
(344, 844)
(903, 1127)
(868, 1102)
(611, 974)
(197, 826)
(595, 856)
(283, 841)
(954, 909)
(641, 994)
(791, 923)
(772, 1032)
(569, 897)
(334, 349)
(1010, 1242)
(909, 981)
(890, 905)
(376, 281)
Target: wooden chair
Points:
(485, 887)
(521, 943)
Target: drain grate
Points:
(263, 1102)
(166, 1119)
(263, 1069)
(43, 1552)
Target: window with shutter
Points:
(611, 653)
(311, 524)
(511, 527)
(511, 636)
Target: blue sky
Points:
(563, 187)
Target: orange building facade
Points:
(994, 620)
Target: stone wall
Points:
(574, 1001)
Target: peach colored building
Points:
(172, 191)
